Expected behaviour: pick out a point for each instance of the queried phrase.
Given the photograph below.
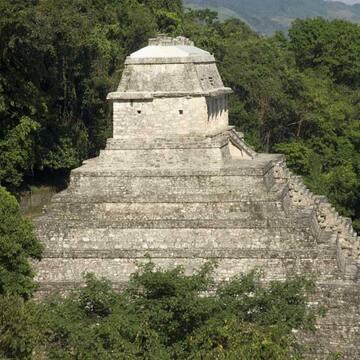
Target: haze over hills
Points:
(268, 16)
(349, 2)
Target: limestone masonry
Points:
(179, 184)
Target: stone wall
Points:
(177, 116)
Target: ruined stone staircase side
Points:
(329, 225)
(237, 139)
(338, 332)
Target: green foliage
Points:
(174, 6)
(264, 79)
(58, 60)
(17, 152)
(299, 156)
(167, 315)
(18, 244)
(167, 13)
(333, 45)
(19, 330)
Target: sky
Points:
(349, 2)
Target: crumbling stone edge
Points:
(330, 226)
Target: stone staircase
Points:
(249, 212)
(234, 216)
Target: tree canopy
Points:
(162, 315)
(18, 244)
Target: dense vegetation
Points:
(268, 16)
(18, 244)
(297, 95)
(160, 315)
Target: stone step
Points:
(340, 300)
(257, 167)
(175, 142)
(254, 196)
(165, 211)
(329, 340)
(118, 270)
(341, 314)
(164, 158)
(218, 253)
(302, 222)
(136, 186)
(102, 239)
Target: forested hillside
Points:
(59, 59)
(268, 16)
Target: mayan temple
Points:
(180, 185)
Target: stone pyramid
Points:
(178, 184)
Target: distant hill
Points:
(349, 2)
(268, 16)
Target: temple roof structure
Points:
(169, 67)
